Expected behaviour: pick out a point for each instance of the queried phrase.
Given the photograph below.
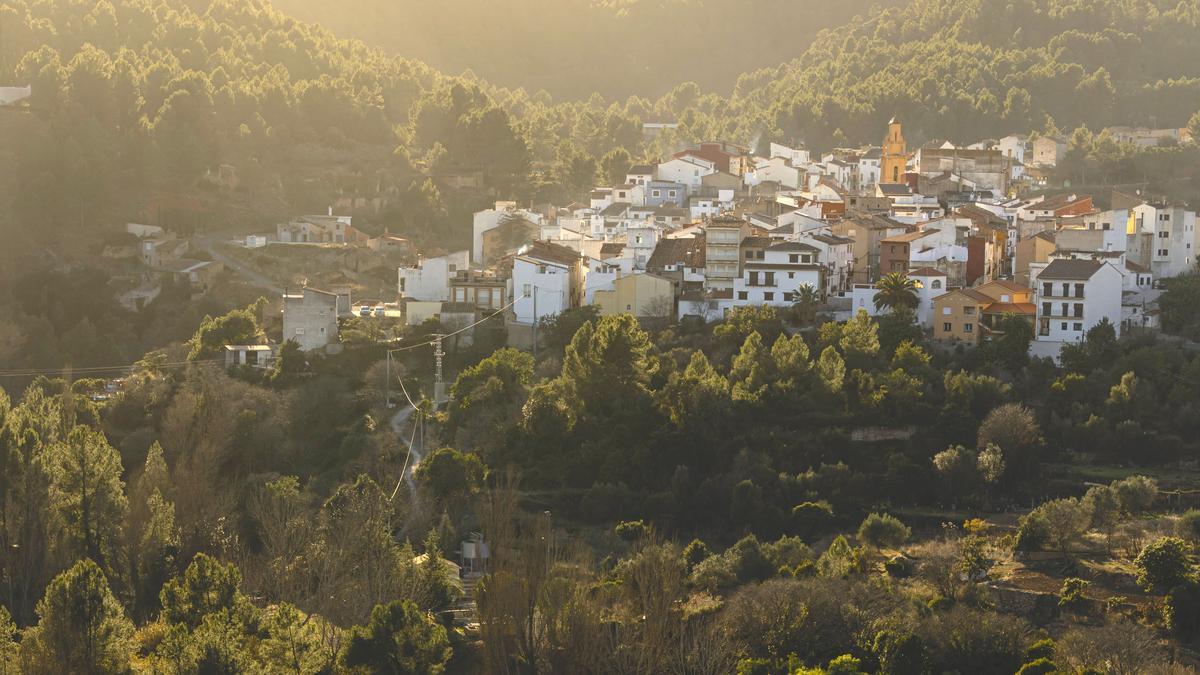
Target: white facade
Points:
(1174, 238)
(490, 219)
(930, 284)
(1013, 147)
(430, 280)
(540, 288)
(1072, 296)
(793, 155)
(774, 280)
(686, 170)
(776, 169)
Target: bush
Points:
(811, 519)
(1188, 526)
(900, 653)
(696, 553)
(631, 530)
(1042, 666)
(1136, 494)
(1071, 595)
(1163, 564)
(899, 567)
(879, 530)
(1042, 649)
(844, 665)
(1181, 611)
(1032, 532)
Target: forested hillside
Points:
(572, 48)
(969, 69)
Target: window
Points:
(541, 269)
(1078, 326)
(749, 255)
(743, 295)
(1048, 289)
(1078, 310)
(299, 331)
(527, 290)
(789, 297)
(794, 258)
(769, 297)
(946, 312)
(968, 311)
(937, 283)
(1065, 310)
(1046, 308)
(754, 278)
(947, 327)
(628, 308)
(453, 267)
(1064, 325)
(968, 328)
(1066, 290)
(1079, 290)
(671, 193)
(1005, 298)
(657, 193)
(805, 259)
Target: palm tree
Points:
(896, 290)
(805, 301)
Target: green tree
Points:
(238, 327)
(10, 650)
(206, 587)
(1163, 564)
(448, 474)
(399, 639)
(294, 642)
(896, 290)
(615, 165)
(87, 498)
(879, 530)
(81, 626)
(832, 370)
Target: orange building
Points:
(894, 162)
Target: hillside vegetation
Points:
(571, 48)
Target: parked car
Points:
(364, 310)
(380, 311)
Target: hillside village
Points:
(979, 233)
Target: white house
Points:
(1073, 295)
(794, 156)
(1013, 147)
(547, 279)
(639, 174)
(688, 170)
(1173, 238)
(774, 279)
(868, 168)
(429, 280)
(778, 170)
(490, 219)
(836, 254)
(930, 284)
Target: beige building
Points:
(310, 318)
(973, 315)
(1035, 249)
(646, 296)
(722, 251)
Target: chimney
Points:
(331, 210)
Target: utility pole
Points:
(439, 386)
(535, 323)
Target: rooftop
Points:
(688, 252)
(1070, 269)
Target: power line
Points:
(33, 372)
(460, 330)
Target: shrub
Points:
(1181, 611)
(1136, 494)
(631, 530)
(696, 553)
(899, 567)
(1042, 649)
(1188, 526)
(879, 530)
(1042, 666)
(844, 665)
(1032, 532)
(900, 653)
(1071, 595)
(1163, 564)
(810, 519)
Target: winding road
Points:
(249, 274)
